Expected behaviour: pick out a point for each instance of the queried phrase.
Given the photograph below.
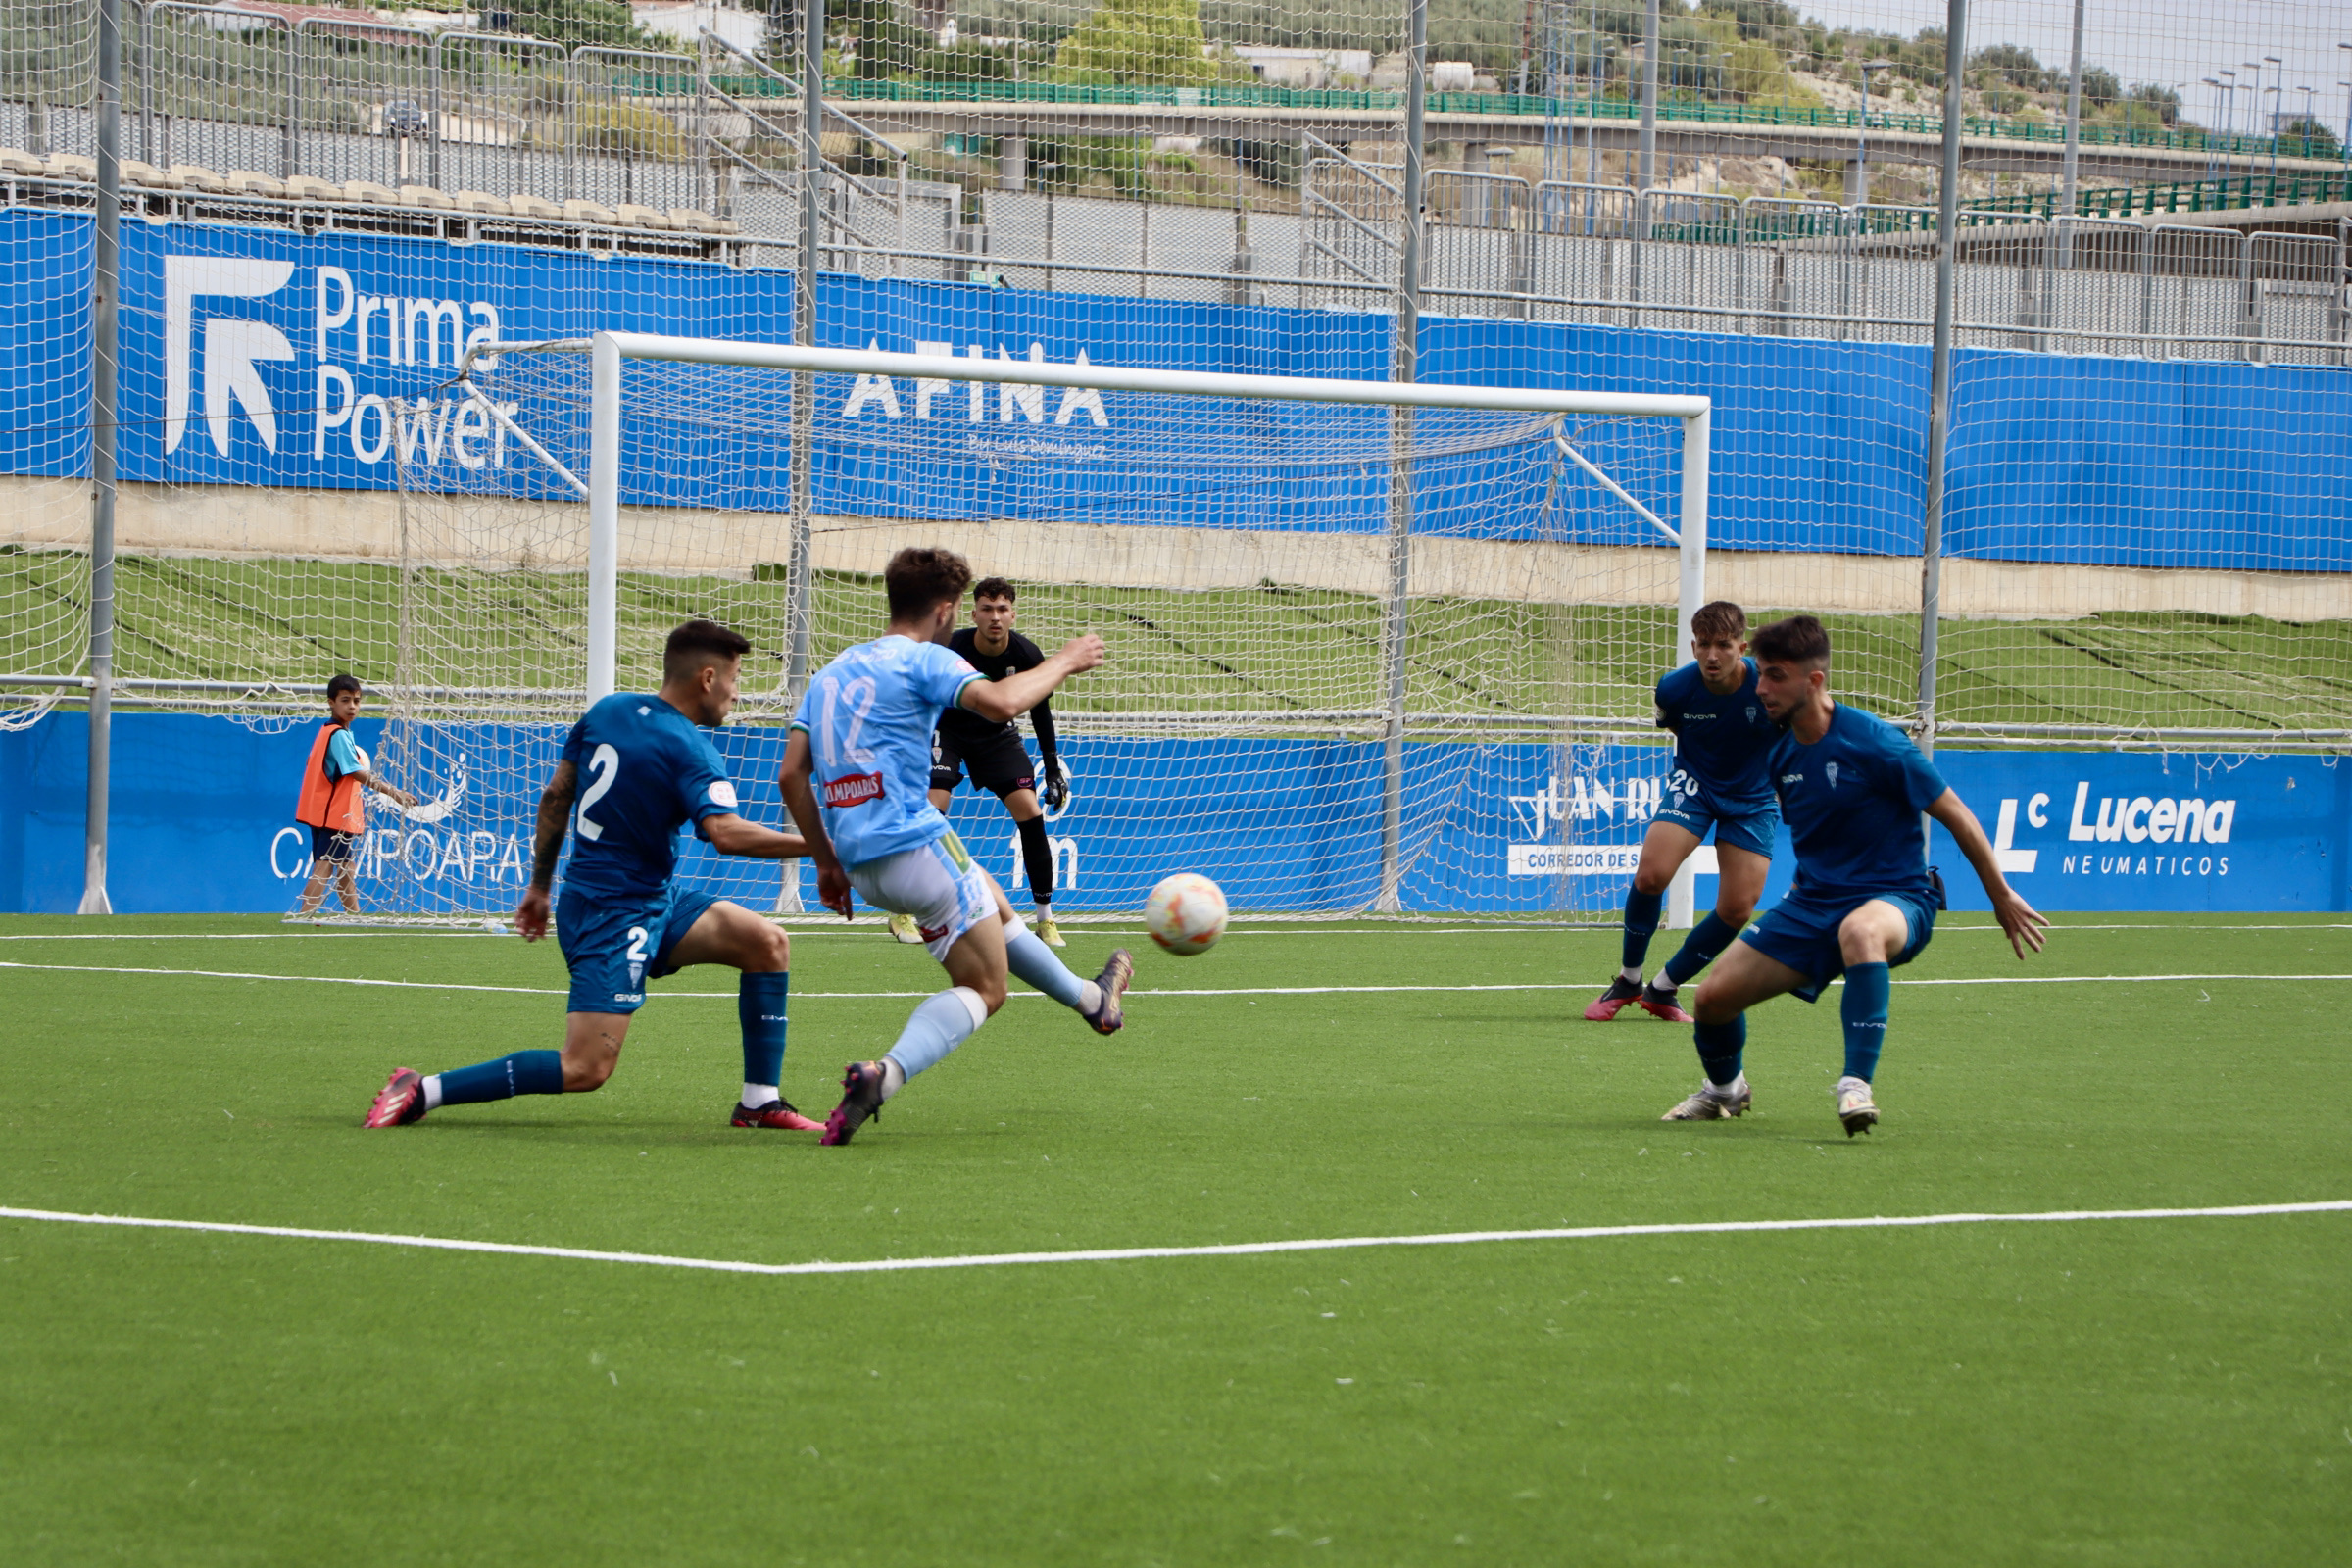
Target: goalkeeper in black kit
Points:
(991, 755)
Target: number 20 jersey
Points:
(644, 771)
(870, 715)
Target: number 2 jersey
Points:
(645, 770)
(870, 715)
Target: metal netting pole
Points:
(106, 271)
(603, 517)
(1939, 379)
(798, 597)
(1681, 904)
(1396, 622)
(799, 565)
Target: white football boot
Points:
(1855, 1108)
(1712, 1103)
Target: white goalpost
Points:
(1375, 645)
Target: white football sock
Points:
(757, 1095)
(1629, 975)
(893, 1077)
(1090, 996)
(1666, 984)
(432, 1093)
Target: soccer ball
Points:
(1186, 914)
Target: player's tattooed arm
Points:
(2023, 923)
(547, 848)
(792, 782)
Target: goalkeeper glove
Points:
(1056, 793)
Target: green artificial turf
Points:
(2151, 1392)
(1264, 651)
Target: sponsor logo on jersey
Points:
(1793, 778)
(722, 792)
(1831, 770)
(854, 789)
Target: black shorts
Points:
(998, 765)
(333, 845)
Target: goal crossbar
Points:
(1114, 377)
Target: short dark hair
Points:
(699, 643)
(993, 588)
(917, 578)
(337, 685)
(1722, 619)
(1799, 640)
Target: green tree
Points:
(604, 23)
(1137, 43)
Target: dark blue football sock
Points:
(1864, 1009)
(1640, 924)
(759, 1008)
(1719, 1046)
(526, 1072)
(1699, 949)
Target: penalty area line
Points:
(1129, 1255)
(1167, 990)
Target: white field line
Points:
(1125, 1255)
(872, 928)
(1174, 991)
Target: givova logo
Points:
(359, 344)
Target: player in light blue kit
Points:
(620, 921)
(1721, 735)
(1852, 787)
(861, 742)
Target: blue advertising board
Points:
(255, 356)
(203, 821)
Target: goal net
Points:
(1372, 647)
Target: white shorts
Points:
(939, 884)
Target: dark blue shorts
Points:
(333, 845)
(1691, 805)
(615, 946)
(1801, 932)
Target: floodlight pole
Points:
(2074, 144)
(1940, 377)
(105, 286)
(1648, 163)
(1396, 622)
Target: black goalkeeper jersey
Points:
(967, 730)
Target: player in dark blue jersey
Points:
(1851, 788)
(1721, 733)
(648, 770)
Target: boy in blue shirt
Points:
(1852, 787)
(1721, 734)
(636, 768)
(861, 746)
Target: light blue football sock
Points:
(1863, 1009)
(1028, 956)
(1699, 949)
(941, 1024)
(1640, 924)
(526, 1072)
(1720, 1048)
(760, 1011)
